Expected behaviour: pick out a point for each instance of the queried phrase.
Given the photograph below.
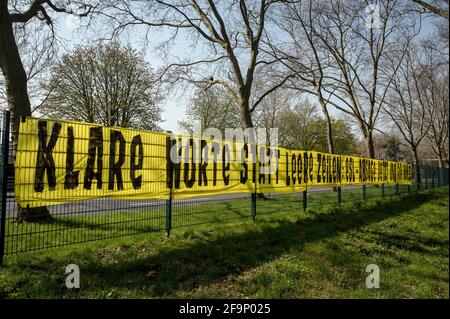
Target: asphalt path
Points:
(105, 205)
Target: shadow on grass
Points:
(210, 260)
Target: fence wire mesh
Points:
(91, 220)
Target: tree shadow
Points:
(208, 261)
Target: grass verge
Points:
(318, 254)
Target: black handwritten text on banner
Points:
(60, 161)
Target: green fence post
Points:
(305, 200)
(364, 192)
(339, 193)
(397, 190)
(409, 188)
(4, 180)
(382, 190)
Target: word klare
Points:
(192, 309)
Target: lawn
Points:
(286, 253)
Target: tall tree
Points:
(38, 49)
(230, 31)
(296, 126)
(300, 53)
(406, 106)
(435, 94)
(210, 108)
(301, 127)
(357, 44)
(266, 118)
(12, 13)
(106, 84)
(393, 149)
(434, 85)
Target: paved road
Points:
(104, 205)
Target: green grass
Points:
(70, 228)
(322, 253)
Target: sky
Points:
(174, 105)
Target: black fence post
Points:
(169, 181)
(4, 180)
(439, 177)
(168, 216)
(409, 188)
(419, 183)
(397, 190)
(382, 190)
(364, 189)
(339, 189)
(254, 195)
(432, 178)
(253, 198)
(305, 200)
(339, 193)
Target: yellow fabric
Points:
(58, 162)
(153, 172)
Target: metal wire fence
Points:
(92, 220)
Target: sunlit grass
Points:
(320, 253)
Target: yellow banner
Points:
(59, 162)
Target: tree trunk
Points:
(17, 95)
(441, 165)
(368, 139)
(370, 148)
(330, 141)
(246, 119)
(442, 161)
(322, 103)
(329, 134)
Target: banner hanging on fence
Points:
(59, 162)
